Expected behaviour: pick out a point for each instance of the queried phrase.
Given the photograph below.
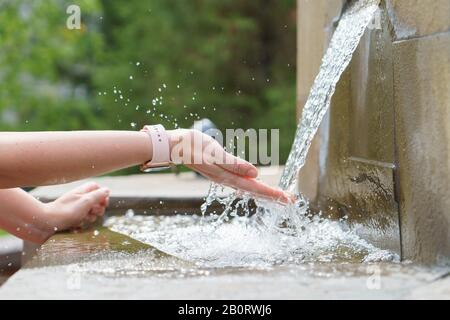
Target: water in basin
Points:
(246, 242)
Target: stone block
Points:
(418, 18)
(422, 107)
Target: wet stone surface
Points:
(99, 263)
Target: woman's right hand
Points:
(205, 155)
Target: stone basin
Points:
(101, 264)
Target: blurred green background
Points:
(136, 62)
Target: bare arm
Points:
(43, 158)
(21, 214)
(26, 217)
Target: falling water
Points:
(343, 43)
(274, 234)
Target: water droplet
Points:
(129, 213)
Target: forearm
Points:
(21, 214)
(43, 158)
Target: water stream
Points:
(340, 51)
(271, 234)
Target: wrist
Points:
(147, 149)
(162, 142)
(47, 213)
(176, 136)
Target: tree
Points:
(46, 69)
(138, 61)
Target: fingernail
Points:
(252, 172)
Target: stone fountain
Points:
(382, 154)
(380, 160)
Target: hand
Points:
(77, 208)
(205, 155)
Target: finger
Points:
(102, 212)
(105, 202)
(86, 187)
(214, 172)
(252, 186)
(237, 165)
(259, 189)
(96, 210)
(249, 185)
(95, 197)
(91, 219)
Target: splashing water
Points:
(271, 234)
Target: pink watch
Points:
(161, 149)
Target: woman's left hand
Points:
(205, 155)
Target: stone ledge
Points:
(438, 290)
(10, 253)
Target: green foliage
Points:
(46, 69)
(231, 61)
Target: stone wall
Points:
(381, 157)
(421, 64)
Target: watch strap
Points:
(160, 147)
